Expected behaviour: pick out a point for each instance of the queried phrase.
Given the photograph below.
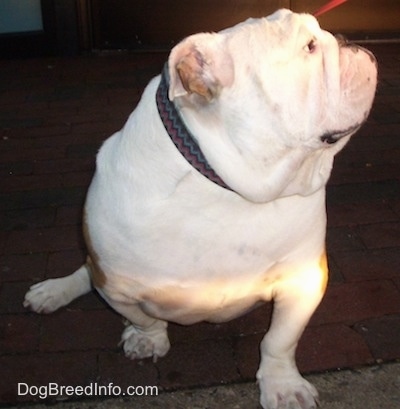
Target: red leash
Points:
(328, 6)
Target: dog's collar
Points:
(180, 135)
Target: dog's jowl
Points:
(211, 198)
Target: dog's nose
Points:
(344, 42)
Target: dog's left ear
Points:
(200, 65)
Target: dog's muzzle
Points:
(332, 137)
(344, 42)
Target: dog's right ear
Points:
(199, 65)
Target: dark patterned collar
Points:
(180, 135)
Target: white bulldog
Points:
(211, 198)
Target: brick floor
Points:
(54, 114)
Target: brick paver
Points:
(54, 114)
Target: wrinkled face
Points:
(277, 82)
(309, 87)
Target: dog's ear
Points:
(200, 65)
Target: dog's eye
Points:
(311, 46)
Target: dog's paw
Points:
(141, 344)
(46, 296)
(292, 392)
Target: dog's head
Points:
(298, 81)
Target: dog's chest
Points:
(204, 259)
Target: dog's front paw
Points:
(46, 296)
(139, 344)
(287, 392)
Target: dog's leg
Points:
(144, 336)
(280, 382)
(49, 295)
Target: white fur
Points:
(175, 246)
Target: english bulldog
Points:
(211, 198)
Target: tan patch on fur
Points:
(98, 276)
(323, 264)
(190, 69)
(212, 301)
